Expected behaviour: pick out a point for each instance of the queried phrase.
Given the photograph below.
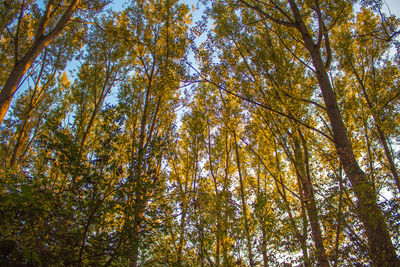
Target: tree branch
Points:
(268, 16)
(260, 104)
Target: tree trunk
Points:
(89, 126)
(20, 139)
(244, 205)
(380, 245)
(182, 234)
(225, 201)
(137, 224)
(27, 117)
(302, 239)
(218, 234)
(302, 170)
(264, 247)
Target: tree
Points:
(297, 20)
(364, 58)
(149, 99)
(269, 142)
(29, 44)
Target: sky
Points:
(393, 6)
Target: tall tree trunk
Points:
(381, 247)
(300, 163)
(136, 227)
(20, 140)
(138, 183)
(86, 232)
(217, 195)
(388, 154)
(182, 233)
(244, 205)
(89, 126)
(302, 171)
(302, 239)
(264, 247)
(33, 102)
(225, 201)
(261, 219)
(339, 221)
(218, 234)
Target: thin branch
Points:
(279, 9)
(328, 60)
(320, 24)
(261, 105)
(305, 100)
(268, 16)
(265, 166)
(326, 124)
(391, 99)
(16, 38)
(44, 21)
(290, 51)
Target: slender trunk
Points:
(261, 218)
(302, 236)
(89, 126)
(339, 222)
(244, 205)
(302, 239)
(264, 247)
(182, 234)
(20, 139)
(217, 195)
(218, 234)
(381, 134)
(202, 250)
(311, 207)
(225, 200)
(138, 210)
(224, 243)
(139, 205)
(85, 232)
(388, 154)
(303, 210)
(32, 103)
(381, 248)
(218, 230)
(136, 228)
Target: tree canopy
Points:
(199, 133)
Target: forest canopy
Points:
(199, 133)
